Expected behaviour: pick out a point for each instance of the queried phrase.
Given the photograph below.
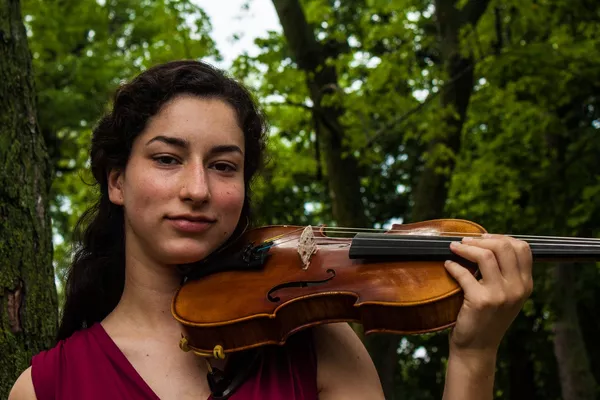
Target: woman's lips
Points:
(191, 226)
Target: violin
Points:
(278, 280)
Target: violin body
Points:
(239, 310)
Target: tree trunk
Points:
(521, 374)
(431, 190)
(577, 381)
(576, 377)
(28, 301)
(321, 79)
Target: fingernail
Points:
(467, 239)
(447, 262)
(455, 244)
(486, 236)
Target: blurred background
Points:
(380, 112)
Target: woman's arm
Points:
(490, 305)
(23, 387)
(344, 368)
(470, 376)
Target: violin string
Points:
(444, 244)
(472, 234)
(440, 239)
(447, 242)
(572, 252)
(566, 241)
(541, 247)
(541, 251)
(532, 240)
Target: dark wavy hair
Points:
(96, 277)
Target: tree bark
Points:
(28, 300)
(321, 79)
(577, 380)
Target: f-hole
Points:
(275, 299)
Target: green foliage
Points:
(375, 86)
(528, 143)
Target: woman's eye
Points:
(165, 160)
(224, 167)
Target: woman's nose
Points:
(195, 186)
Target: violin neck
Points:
(567, 249)
(437, 248)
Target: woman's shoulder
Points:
(70, 348)
(345, 369)
(42, 369)
(40, 378)
(23, 387)
(327, 361)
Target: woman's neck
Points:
(143, 314)
(147, 295)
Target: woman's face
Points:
(183, 187)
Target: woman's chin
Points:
(186, 253)
(182, 255)
(181, 259)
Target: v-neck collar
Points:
(116, 353)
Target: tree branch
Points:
(396, 121)
(297, 31)
(499, 43)
(473, 10)
(290, 103)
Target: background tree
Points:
(28, 306)
(311, 57)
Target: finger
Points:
(516, 287)
(462, 275)
(524, 254)
(525, 260)
(485, 259)
(505, 252)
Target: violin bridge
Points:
(307, 246)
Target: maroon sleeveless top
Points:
(89, 365)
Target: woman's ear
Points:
(115, 186)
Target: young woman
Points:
(174, 159)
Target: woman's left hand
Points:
(492, 303)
